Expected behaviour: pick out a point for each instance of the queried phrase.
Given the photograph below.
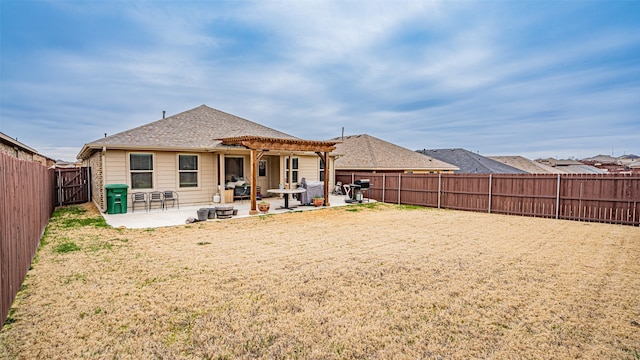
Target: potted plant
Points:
(263, 206)
(318, 200)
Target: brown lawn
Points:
(374, 282)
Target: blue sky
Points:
(537, 79)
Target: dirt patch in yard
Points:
(364, 281)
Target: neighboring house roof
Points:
(602, 159)
(555, 162)
(629, 156)
(582, 169)
(196, 129)
(571, 166)
(526, 165)
(15, 143)
(365, 152)
(471, 163)
(634, 165)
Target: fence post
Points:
(490, 193)
(399, 186)
(558, 199)
(439, 187)
(384, 183)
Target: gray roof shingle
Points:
(471, 163)
(526, 165)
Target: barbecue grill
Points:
(358, 187)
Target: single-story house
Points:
(471, 163)
(203, 152)
(365, 153)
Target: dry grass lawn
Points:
(373, 282)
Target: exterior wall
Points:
(16, 152)
(166, 175)
(309, 168)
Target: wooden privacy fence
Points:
(27, 191)
(599, 198)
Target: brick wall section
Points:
(15, 152)
(97, 182)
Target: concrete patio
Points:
(173, 216)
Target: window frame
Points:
(180, 171)
(295, 167)
(131, 171)
(322, 168)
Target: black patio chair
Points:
(156, 196)
(138, 197)
(171, 196)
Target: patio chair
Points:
(337, 188)
(171, 196)
(138, 197)
(156, 196)
(243, 193)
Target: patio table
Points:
(286, 193)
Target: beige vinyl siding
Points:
(167, 178)
(165, 174)
(309, 168)
(116, 167)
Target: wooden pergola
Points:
(259, 146)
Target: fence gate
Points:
(72, 186)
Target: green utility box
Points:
(117, 198)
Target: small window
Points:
(262, 168)
(321, 177)
(294, 170)
(141, 169)
(188, 169)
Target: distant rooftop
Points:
(471, 163)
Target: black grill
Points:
(364, 183)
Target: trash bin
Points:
(203, 213)
(116, 198)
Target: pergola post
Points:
(323, 157)
(254, 179)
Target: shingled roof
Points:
(526, 165)
(471, 163)
(198, 129)
(365, 152)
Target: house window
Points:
(321, 170)
(294, 170)
(141, 169)
(188, 170)
(262, 168)
(234, 168)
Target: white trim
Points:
(153, 172)
(198, 172)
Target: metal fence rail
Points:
(27, 191)
(597, 198)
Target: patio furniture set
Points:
(149, 198)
